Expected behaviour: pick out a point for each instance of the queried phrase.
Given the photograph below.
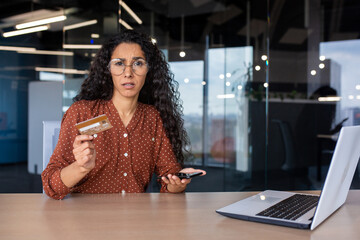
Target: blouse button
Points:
(125, 174)
(125, 134)
(123, 191)
(125, 154)
(153, 139)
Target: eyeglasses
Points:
(117, 67)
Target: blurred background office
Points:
(266, 84)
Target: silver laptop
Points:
(275, 207)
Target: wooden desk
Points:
(154, 216)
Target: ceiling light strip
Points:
(44, 52)
(127, 26)
(79, 25)
(25, 31)
(61, 70)
(41, 22)
(10, 48)
(126, 7)
(329, 99)
(81, 46)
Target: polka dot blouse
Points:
(125, 157)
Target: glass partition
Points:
(312, 88)
(190, 76)
(265, 85)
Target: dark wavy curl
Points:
(159, 90)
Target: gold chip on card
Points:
(94, 125)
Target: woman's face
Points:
(128, 84)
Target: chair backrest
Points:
(51, 130)
(289, 146)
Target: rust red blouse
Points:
(126, 158)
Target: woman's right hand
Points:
(84, 152)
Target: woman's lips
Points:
(128, 85)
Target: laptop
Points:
(309, 210)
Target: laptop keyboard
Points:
(291, 208)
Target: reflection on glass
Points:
(191, 93)
(342, 60)
(228, 107)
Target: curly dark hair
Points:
(159, 90)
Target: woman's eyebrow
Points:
(134, 58)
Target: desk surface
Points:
(154, 216)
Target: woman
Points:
(131, 84)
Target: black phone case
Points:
(188, 175)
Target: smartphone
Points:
(188, 175)
(185, 175)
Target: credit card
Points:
(94, 125)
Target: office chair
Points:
(290, 164)
(290, 156)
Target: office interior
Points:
(266, 85)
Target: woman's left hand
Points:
(175, 184)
